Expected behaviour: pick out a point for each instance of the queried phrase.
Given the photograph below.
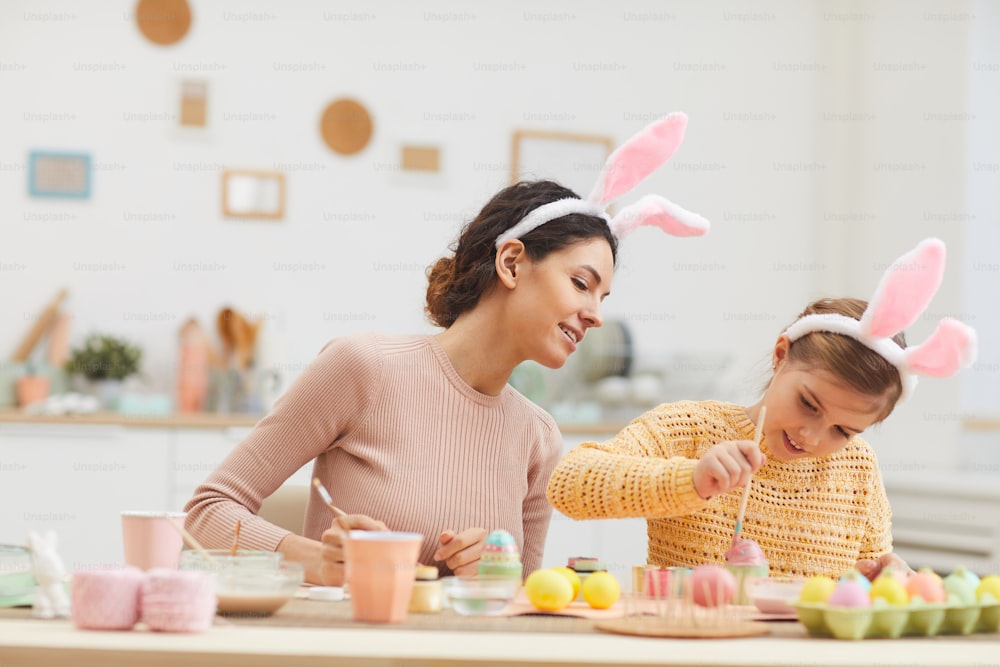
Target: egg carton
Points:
(888, 621)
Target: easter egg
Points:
(548, 590)
(817, 589)
(889, 588)
(849, 593)
(854, 575)
(988, 585)
(959, 588)
(927, 586)
(712, 585)
(601, 590)
(571, 576)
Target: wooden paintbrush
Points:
(746, 489)
(325, 495)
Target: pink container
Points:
(149, 539)
(381, 567)
(178, 600)
(107, 600)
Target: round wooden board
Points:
(662, 627)
(346, 126)
(163, 22)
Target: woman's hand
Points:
(873, 568)
(726, 466)
(332, 548)
(461, 552)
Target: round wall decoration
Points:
(346, 126)
(163, 22)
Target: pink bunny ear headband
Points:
(625, 168)
(906, 289)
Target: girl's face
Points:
(558, 298)
(811, 412)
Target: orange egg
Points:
(926, 585)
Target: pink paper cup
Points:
(149, 539)
(381, 567)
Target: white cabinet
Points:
(620, 543)
(76, 480)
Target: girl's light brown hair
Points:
(853, 362)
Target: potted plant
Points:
(105, 361)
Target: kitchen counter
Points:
(213, 420)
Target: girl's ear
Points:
(780, 352)
(509, 257)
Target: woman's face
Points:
(558, 298)
(811, 412)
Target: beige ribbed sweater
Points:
(810, 516)
(397, 435)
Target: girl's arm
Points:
(641, 472)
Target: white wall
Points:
(779, 156)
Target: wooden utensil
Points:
(746, 489)
(42, 324)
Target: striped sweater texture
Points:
(395, 433)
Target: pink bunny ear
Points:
(905, 290)
(659, 212)
(950, 347)
(638, 157)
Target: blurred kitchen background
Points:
(825, 139)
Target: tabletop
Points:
(309, 632)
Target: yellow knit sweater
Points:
(810, 516)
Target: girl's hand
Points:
(726, 466)
(873, 568)
(461, 552)
(332, 548)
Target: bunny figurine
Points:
(50, 596)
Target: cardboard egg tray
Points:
(887, 621)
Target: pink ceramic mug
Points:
(381, 567)
(150, 541)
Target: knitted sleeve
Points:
(878, 536)
(536, 509)
(641, 472)
(327, 399)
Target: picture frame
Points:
(250, 193)
(59, 174)
(571, 159)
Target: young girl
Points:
(423, 433)
(816, 504)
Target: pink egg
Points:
(926, 585)
(849, 593)
(712, 585)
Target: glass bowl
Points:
(257, 590)
(223, 559)
(776, 595)
(480, 596)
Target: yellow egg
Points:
(890, 589)
(988, 585)
(817, 589)
(548, 590)
(571, 576)
(601, 590)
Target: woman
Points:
(423, 433)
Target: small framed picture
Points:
(573, 160)
(248, 193)
(56, 174)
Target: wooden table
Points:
(321, 633)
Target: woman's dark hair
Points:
(455, 284)
(853, 362)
